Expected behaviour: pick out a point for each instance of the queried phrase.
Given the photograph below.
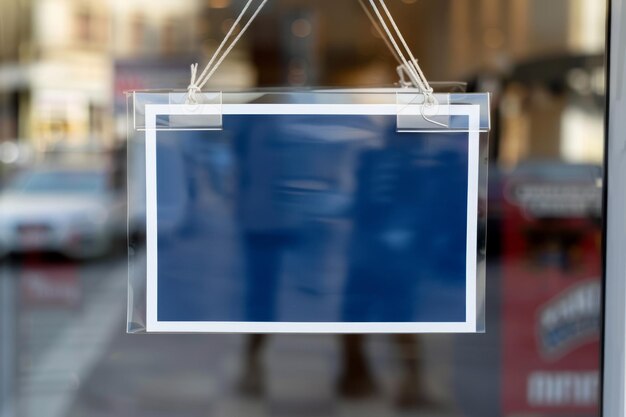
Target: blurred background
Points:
(64, 68)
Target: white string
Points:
(380, 31)
(202, 81)
(232, 45)
(225, 40)
(410, 66)
(197, 83)
(409, 69)
(401, 69)
(193, 87)
(413, 63)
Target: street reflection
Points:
(70, 356)
(66, 312)
(64, 68)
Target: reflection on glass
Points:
(62, 347)
(72, 211)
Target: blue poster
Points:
(311, 221)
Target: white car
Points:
(71, 211)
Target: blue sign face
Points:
(309, 222)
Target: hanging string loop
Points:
(382, 20)
(193, 87)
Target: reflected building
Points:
(64, 65)
(57, 66)
(542, 98)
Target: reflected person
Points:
(384, 265)
(292, 179)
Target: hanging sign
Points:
(309, 211)
(312, 218)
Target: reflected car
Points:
(71, 211)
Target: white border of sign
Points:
(154, 325)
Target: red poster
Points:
(50, 285)
(551, 293)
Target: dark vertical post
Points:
(8, 342)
